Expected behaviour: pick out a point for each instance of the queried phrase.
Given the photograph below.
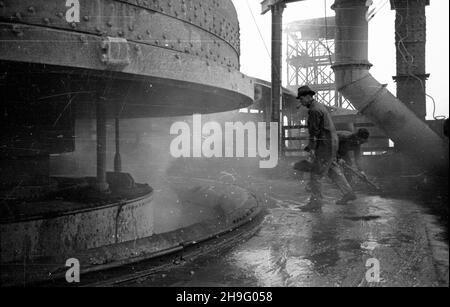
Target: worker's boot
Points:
(315, 202)
(347, 197)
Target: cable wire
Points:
(262, 38)
(378, 10)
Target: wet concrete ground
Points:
(329, 247)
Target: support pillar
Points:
(102, 184)
(277, 46)
(117, 157)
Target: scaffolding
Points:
(310, 56)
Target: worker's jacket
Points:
(322, 132)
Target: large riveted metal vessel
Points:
(152, 56)
(64, 61)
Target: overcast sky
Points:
(255, 47)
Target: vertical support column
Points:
(102, 184)
(410, 39)
(277, 47)
(117, 157)
(287, 57)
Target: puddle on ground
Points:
(370, 245)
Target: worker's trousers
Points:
(347, 173)
(325, 164)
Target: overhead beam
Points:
(266, 5)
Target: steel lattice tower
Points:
(310, 56)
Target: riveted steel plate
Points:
(188, 47)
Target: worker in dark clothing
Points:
(350, 150)
(323, 146)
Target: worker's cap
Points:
(305, 90)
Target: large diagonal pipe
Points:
(410, 134)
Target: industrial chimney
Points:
(410, 133)
(410, 40)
